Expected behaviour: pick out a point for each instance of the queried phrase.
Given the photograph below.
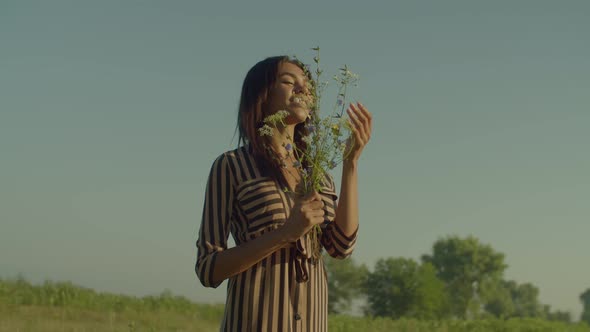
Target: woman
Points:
(274, 284)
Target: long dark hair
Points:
(255, 92)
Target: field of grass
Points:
(65, 307)
(54, 319)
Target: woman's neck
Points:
(280, 138)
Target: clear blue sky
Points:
(111, 113)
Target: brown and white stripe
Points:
(241, 199)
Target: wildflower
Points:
(324, 146)
(336, 128)
(265, 130)
(276, 118)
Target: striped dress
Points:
(287, 290)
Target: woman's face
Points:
(290, 93)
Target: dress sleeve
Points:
(336, 243)
(215, 222)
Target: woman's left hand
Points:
(361, 122)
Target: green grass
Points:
(40, 318)
(66, 307)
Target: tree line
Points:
(461, 278)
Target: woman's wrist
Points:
(350, 164)
(282, 234)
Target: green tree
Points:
(525, 298)
(507, 299)
(585, 298)
(464, 264)
(562, 316)
(498, 299)
(401, 287)
(345, 282)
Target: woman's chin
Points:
(297, 116)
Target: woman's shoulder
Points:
(233, 154)
(237, 159)
(243, 165)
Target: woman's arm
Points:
(347, 211)
(238, 259)
(306, 213)
(215, 262)
(347, 214)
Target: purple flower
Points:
(339, 102)
(296, 163)
(310, 128)
(288, 147)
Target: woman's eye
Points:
(288, 82)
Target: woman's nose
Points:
(301, 89)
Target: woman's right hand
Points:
(307, 212)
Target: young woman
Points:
(275, 283)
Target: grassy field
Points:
(38, 318)
(54, 319)
(65, 307)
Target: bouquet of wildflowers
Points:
(327, 140)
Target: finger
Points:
(313, 206)
(366, 112)
(318, 220)
(369, 117)
(359, 114)
(364, 119)
(317, 204)
(317, 196)
(354, 118)
(321, 217)
(353, 140)
(309, 197)
(358, 126)
(360, 138)
(316, 214)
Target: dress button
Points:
(297, 316)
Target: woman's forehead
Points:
(292, 70)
